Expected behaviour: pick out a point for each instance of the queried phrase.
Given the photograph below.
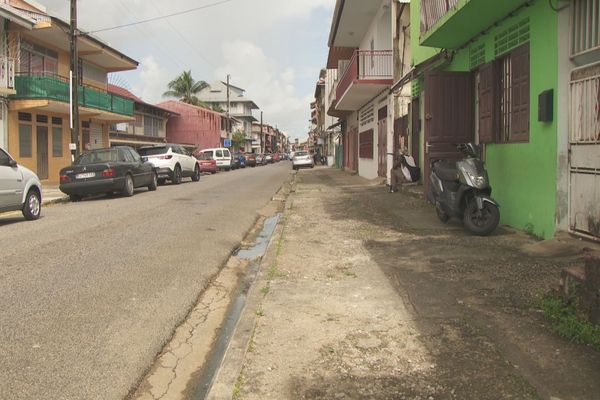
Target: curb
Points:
(231, 368)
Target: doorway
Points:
(42, 151)
(382, 142)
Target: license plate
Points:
(85, 175)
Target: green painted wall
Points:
(523, 175)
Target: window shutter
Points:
(519, 125)
(365, 148)
(487, 93)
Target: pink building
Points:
(197, 126)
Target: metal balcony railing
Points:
(57, 88)
(585, 26)
(366, 65)
(433, 10)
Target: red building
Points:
(196, 126)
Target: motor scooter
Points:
(462, 190)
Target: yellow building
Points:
(38, 113)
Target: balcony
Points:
(367, 73)
(449, 24)
(31, 87)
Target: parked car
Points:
(172, 162)
(206, 162)
(235, 162)
(222, 156)
(269, 158)
(108, 170)
(276, 157)
(20, 188)
(251, 160)
(260, 159)
(302, 159)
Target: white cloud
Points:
(270, 86)
(152, 82)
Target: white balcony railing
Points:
(433, 10)
(7, 72)
(366, 65)
(585, 34)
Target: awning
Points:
(339, 123)
(427, 65)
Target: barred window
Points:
(25, 140)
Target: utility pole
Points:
(228, 108)
(262, 140)
(74, 82)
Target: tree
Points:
(185, 88)
(238, 140)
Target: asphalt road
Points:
(91, 291)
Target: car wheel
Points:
(161, 181)
(196, 176)
(176, 175)
(33, 206)
(128, 186)
(75, 198)
(213, 172)
(153, 183)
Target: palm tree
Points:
(185, 88)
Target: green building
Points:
(488, 71)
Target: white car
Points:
(302, 159)
(20, 188)
(172, 162)
(221, 155)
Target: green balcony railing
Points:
(55, 88)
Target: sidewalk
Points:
(51, 194)
(366, 295)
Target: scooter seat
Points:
(446, 170)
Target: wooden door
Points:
(42, 151)
(382, 142)
(449, 116)
(415, 130)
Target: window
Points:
(4, 158)
(219, 153)
(57, 121)
(41, 119)
(25, 140)
(135, 155)
(365, 148)
(24, 117)
(503, 96)
(37, 60)
(584, 26)
(57, 144)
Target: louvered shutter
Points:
(488, 110)
(519, 124)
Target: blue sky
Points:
(272, 48)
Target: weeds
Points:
(567, 321)
(265, 290)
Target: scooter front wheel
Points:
(441, 214)
(481, 222)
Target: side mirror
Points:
(12, 163)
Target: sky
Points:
(272, 48)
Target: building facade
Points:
(38, 118)
(148, 128)
(473, 81)
(193, 126)
(229, 97)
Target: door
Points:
(11, 183)
(95, 139)
(382, 142)
(584, 154)
(42, 151)
(448, 116)
(415, 130)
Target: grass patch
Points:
(265, 290)
(566, 320)
(237, 388)
(260, 312)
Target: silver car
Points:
(20, 188)
(302, 159)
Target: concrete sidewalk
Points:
(51, 194)
(366, 295)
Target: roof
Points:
(177, 106)
(17, 16)
(121, 91)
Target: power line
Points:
(159, 17)
(182, 36)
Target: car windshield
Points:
(98, 156)
(300, 153)
(152, 151)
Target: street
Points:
(92, 291)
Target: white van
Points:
(221, 155)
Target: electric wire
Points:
(183, 37)
(218, 3)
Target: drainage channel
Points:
(252, 254)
